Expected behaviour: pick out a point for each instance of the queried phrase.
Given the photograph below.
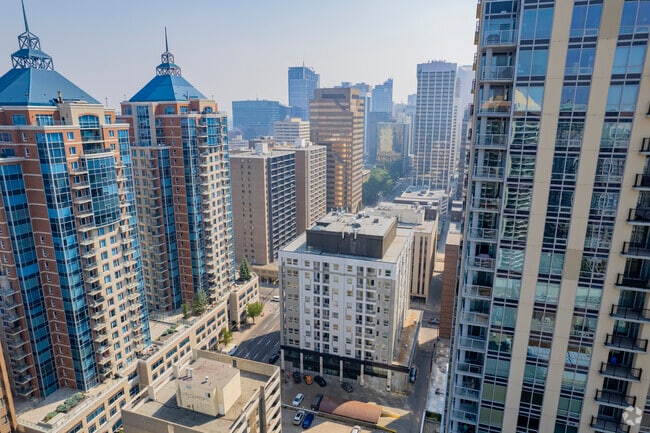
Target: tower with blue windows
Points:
(553, 315)
(73, 311)
(182, 187)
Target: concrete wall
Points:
(449, 284)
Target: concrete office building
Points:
(337, 117)
(302, 81)
(551, 331)
(435, 127)
(213, 393)
(288, 130)
(182, 184)
(344, 289)
(365, 93)
(264, 203)
(256, 118)
(73, 303)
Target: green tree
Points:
(244, 270)
(254, 309)
(199, 303)
(186, 312)
(226, 336)
(379, 180)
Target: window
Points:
(70, 135)
(73, 151)
(19, 119)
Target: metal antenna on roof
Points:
(166, 44)
(167, 65)
(22, 2)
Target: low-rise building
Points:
(213, 393)
(243, 293)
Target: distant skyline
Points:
(242, 50)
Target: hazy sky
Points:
(234, 50)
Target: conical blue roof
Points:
(167, 88)
(168, 84)
(38, 87)
(33, 80)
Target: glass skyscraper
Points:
(552, 318)
(303, 81)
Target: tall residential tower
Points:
(182, 182)
(73, 301)
(552, 323)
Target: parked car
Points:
(308, 420)
(274, 358)
(298, 399)
(296, 377)
(347, 387)
(232, 351)
(356, 429)
(413, 374)
(434, 321)
(320, 381)
(315, 403)
(308, 379)
(300, 415)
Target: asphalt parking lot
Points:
(393, 402)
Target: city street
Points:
(258, 341)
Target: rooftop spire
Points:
(29, 54)
(167, 65)
(22, 2)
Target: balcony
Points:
(483, 234)
(469, 369)
(20, 367)
(474, 344)
(17, 355)
(636, 250)
(628, 344)
(630, 314)
(467, 393)
(492, 141)
(639, 216)
(632, 282)
(25, 391)
(472, 318)
(486, 262)
(642, 182)
(614, 398)
(645, 146)
(483, 204)
(499, 38)
(494, 107)
(498, 73)
(608, 425)
(478, 292)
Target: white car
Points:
(299, 398)
(232, 351)
(300, 415)
(356, 429)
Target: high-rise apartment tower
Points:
(73, 304)
(552, 321)
(181, 175)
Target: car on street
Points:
(232, 351)
(300, 415)
(413, 374)
(308, 379)
(308, 420)
(296, 377)
(274, 358)
(298, 399)
(356, 429)
(315, 403)
(320, 381)
(434, 321)
(347, 387)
